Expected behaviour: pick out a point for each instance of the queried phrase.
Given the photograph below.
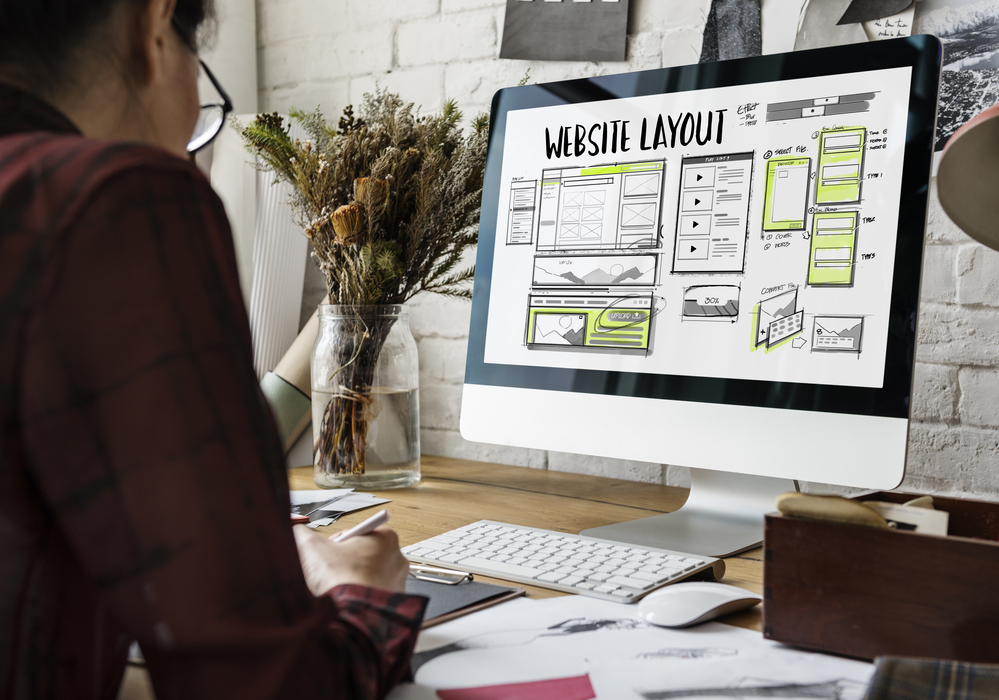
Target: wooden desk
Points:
(455, 492)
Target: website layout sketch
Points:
(610, 323)
(608, 207)
(841, 165)
(595, 270)
(831, 262)
(523, 205)
(711, 302)
(713, 214)
(778, 320)
(786, 199)
(837, 334)
(820, 107)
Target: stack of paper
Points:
(327, 505)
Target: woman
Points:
(142, 488)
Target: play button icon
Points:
(696, 250)
(695, 225)
(695, 201)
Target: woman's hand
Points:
(372, 560)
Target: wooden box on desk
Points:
(867, 592)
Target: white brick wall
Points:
(330, 52)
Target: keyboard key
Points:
(434, 546)
(502, 568)
(623, 592)
(645, 576)
(606, 588)
(585, 585)
(630, 582)
(571, 580)
(551, 577)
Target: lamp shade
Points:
(968, 177)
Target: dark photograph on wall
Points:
(969, 30)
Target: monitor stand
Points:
(723, 515)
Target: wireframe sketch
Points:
(692, 653)
(786, 199)
(837, 334)
(590, 322)
(842, 689)
(594, 270)
(523, 205)
(604, 207)
(711, 302)
(778, 320)
(831, 261)
(819, 107)
(841, 165)
(523, 637)
(713, 214)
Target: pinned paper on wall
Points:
(569, 30)
(969, 31)
(891, 27)
(819, 26)
(732, 30)
(870, 10)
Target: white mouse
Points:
(686, 604)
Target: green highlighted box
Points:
(834, 249)
(841, 165)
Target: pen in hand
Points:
(379, 518)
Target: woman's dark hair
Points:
(38, 37)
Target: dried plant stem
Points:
(341, 446)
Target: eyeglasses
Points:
(212, 116)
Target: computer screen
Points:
(714, 266)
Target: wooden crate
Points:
(865, 592)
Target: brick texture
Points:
(330, 52)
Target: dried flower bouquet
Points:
(390, 202)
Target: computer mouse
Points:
(686, 604)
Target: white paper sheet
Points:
(314, 495)
(892, 27)
(355, 501)
(530, 640)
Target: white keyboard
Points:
(563, 562)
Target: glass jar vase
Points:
(365, 398)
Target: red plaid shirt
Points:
(142, 487)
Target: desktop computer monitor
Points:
(715, 266)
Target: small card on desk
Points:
(450, 601)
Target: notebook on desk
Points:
(450, 601)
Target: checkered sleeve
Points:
(154, 449)
(898, 678)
